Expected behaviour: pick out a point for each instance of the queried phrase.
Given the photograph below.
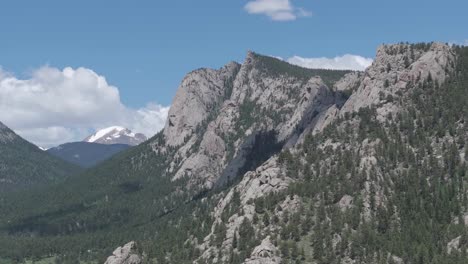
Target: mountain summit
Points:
(116, 135)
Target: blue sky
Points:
(144, 48)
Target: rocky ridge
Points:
(384, 85)
(215, 114)
(394, 69)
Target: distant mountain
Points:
(98, 147)
(116, 135)
(85, 154)
(23, 165)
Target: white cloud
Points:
(145, 120)
(345, 62)
(55, 106)
(52, 136)
(278, 10)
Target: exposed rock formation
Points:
(349, 82)
(265, 253)
(199, 94)
(345, 202)
(216, 124)
(266, 179)
(125, 255)
(394, 69)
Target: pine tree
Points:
(266, 219)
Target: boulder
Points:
(265, 253)
(125, 255)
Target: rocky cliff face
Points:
(218, 116)
(200, 94)
(395, 68)
(306, 107)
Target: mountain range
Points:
(98, 147)
(85, 154)
(267, 162)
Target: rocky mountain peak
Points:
(399, 67)
(229, 68)
(200, 93)
(116, 135)
(250, 57)
(220, 117)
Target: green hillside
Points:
(23, 165)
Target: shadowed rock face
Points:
(254, 151)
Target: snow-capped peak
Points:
(116, 135)
(104, 132)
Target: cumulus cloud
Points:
(54, 106)
(277, 10)
(345, 62)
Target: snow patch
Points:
(116, 135)
(103, 132)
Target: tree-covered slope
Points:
(85, 154)
(385, 183)
(386, 191)
(23, 165)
